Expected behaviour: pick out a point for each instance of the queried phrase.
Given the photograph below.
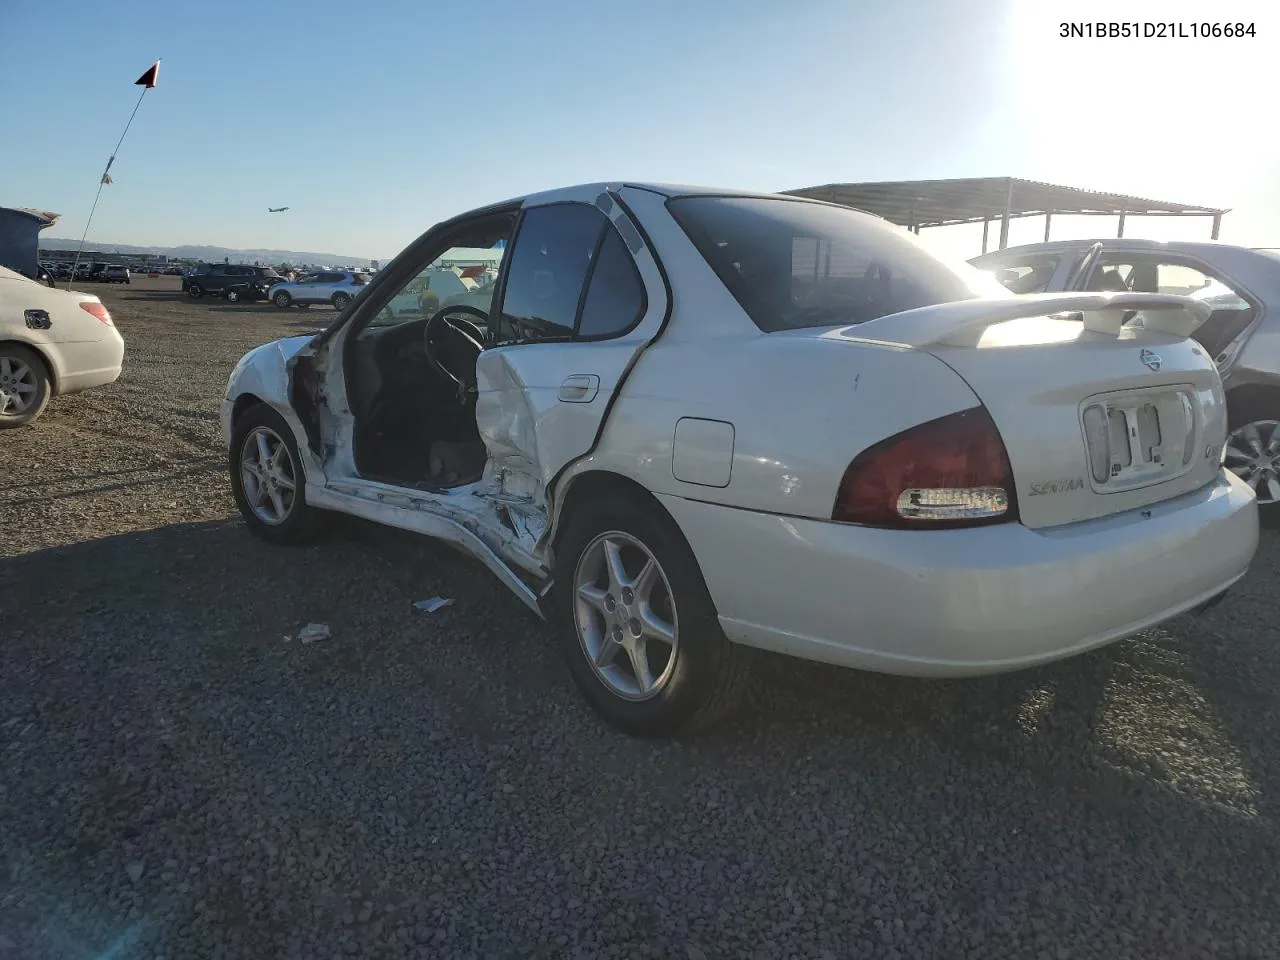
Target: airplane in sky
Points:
(276, 209)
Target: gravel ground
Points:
(178, 780)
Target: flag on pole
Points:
(148, 79)
(147, 82)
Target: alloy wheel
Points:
(1253, 455)
(18, 388)
(625, 616)
(266, 473)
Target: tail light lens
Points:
(358, 280)
(99, 311)
(949, 472)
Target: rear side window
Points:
(615, 294)
(792, 264)
(1230, 312)
(549, 265)
(1025, 276)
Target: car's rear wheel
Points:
(233, 296)
(24, 385)
(340, 300)
(1253, 454)
(195, 291)
(267, 479)
(282, 299)
(637, 625)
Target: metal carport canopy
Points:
(936, 203)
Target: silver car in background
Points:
(334, 287)
(1242, 333)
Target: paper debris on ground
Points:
(432, 604)
(314, 631)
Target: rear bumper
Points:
(90, 364)
(965, 602)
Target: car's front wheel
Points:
(340, 300)
(282, 299)
(637, 624)
(267, 479)
(24, 385)
(233, 296)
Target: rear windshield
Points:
(792, 264)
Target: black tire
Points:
(195, 291)
(233, 296)
(36, 373)
(1261, 408)
(340, 301)
(302, 523)
(282, 299)
(709, 675)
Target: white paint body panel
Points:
(958, 602)
(81, 351)
(1035, 394)
(744, 438)
(703, 452)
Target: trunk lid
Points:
(1096, 418)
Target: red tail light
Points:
(358, 280)
(949, 472)
(99, 311)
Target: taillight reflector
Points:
(99, 311)
(949, 472)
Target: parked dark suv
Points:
(231, 280)
(115, 273)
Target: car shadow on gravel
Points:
(218, 602)
(155, 296)
(159, 712)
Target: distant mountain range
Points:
(213, 254)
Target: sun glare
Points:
(1152, 117)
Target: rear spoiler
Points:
(963, 322)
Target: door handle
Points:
(580, 388)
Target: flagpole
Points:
(102, 182)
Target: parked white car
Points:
(52, 342)
(334, 287)
(442, 288)
(698, 422)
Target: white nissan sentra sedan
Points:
(52, 342)
(693, 422)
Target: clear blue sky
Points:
(374, 120)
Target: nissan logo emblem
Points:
(1150, 359)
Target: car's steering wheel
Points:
(451, 323)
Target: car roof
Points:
(1125, 244)
(663, 189)
(1257, 269)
